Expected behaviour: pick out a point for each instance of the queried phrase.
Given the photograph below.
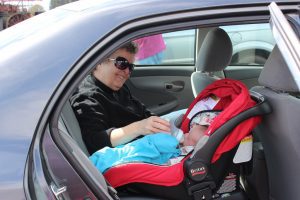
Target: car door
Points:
(164, 85)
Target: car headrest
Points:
(216, 51)
(276, 74)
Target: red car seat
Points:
(201, 172)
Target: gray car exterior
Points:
(37, 55)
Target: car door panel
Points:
(163, 89)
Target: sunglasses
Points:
(122, 63)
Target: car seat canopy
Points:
(234, 99)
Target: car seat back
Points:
(214, 55)
(69, 121)
(279, 132)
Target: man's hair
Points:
(130, 47)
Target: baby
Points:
(197, 127)
(196, 133)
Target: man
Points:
(108, 114)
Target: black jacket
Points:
(99, 110)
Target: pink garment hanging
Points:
(149, 46)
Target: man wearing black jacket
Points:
(108, 114)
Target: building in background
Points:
(15, 11)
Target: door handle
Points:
(174, 86)
(58, 191)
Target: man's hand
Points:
(147, 126)
(153, 124)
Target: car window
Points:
(174, 48)
(252, 44)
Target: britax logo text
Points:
(198, 171)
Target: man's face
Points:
(110, 75)
(196, 132)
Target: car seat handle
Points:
(207, 151)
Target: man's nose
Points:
(127, 71)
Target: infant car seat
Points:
(199, 174)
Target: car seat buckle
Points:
(203, 194)
(202, 191)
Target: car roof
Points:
(157, 6)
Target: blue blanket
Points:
(155, 148)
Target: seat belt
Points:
(113, 192)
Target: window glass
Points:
(252, 43)
(174, 48)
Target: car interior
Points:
(203, 77)
(277, 101)
(181, 64)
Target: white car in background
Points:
(252, 44)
